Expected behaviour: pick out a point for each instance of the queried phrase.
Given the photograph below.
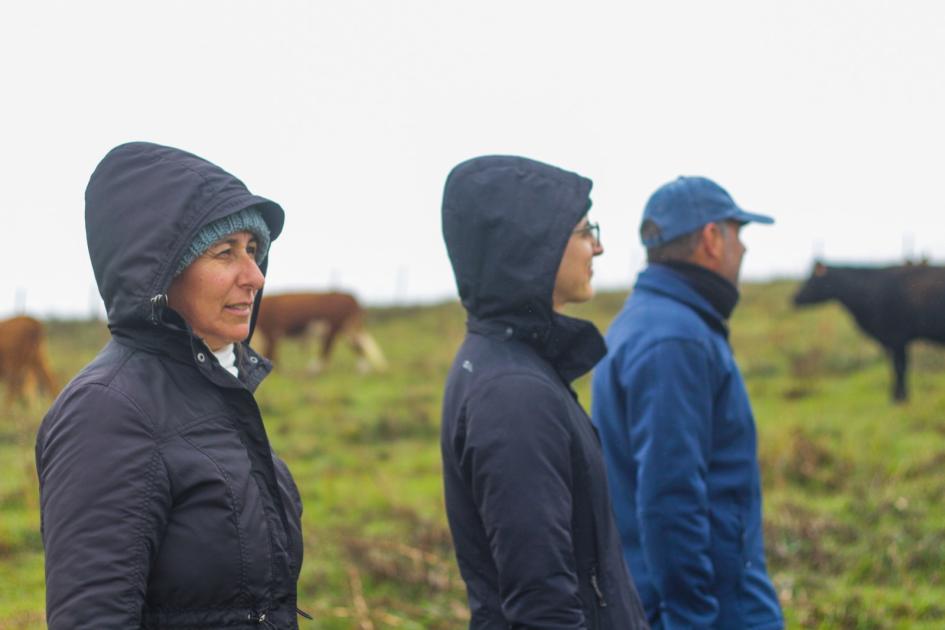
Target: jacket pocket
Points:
(728, 551)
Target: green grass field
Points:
(854, 486)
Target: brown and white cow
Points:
(326, 315)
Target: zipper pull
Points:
(600, 596)
(302, 613)
(257, 618)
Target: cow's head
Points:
(817, 288)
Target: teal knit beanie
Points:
(246, 220)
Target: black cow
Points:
(894, 305)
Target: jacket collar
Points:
(572, 346)
(667, 281)
(173, 339)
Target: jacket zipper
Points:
(601, 602)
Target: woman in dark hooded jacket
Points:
(163, 505)
(524, 478)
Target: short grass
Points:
(854, 490)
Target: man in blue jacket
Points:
(525, 482)
(677, 429)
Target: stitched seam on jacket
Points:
(113, 387)
(196, 421)
(234, 505)
(540, 378)
(108, 379)
(192, 206)
(135, 607)
(263, 493)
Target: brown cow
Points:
(327, 315)
(22, 357)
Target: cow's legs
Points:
(900, 362)
(44, 377)
(328, 343)
(15, 382)
(314, 334)
(364, 365)
(369, 353)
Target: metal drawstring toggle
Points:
(158, 302)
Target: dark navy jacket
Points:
(526, 491)
(679, 440)
(163, 505)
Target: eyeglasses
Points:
(591, 229)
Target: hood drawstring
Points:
(158, 302)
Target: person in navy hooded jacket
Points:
(525, 483)
(677, 428)
(163, 504)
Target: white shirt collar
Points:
(227, 358)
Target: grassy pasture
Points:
(854, 503)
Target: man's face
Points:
(733, 250)
(573, 281)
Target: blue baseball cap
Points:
(686, 204)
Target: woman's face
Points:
(573, 281)
(215, 293)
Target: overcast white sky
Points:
(830, 116)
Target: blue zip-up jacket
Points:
(679, 440)
(525, 482)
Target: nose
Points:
(251, 275)
(598, 248)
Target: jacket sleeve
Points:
(516, 460)
(104, 497)
(670, 401)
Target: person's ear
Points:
(711, 241)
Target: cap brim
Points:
(751, 217)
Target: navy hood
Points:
(143, 206)
(506, 223)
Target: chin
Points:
(583, 297)
(236, 337)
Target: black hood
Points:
(143, 205)
(506, 222)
